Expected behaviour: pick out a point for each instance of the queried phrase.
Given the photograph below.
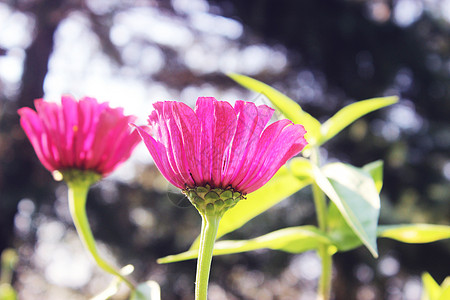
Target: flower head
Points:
(79, 135)
(219, 146)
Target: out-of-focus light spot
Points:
(119, 35)
(152, 60)
(309, 88)
(190, 6)
(388, 266)
(446, 170)
(404, 79)
(253, 59)
(364, 273)
(445, 9)
(150, 24)
(101, 7)
(15, 28)
(200, 60)
(11, 66)
(366, 293)
(66, 268)
(219, 25)
(405, 117)
(26, 206)
(407, 12)
(306, 266)
(142, 217)
(22, 224)
(51, 231)
(378, 11)
(412, 289)
(23, 218)
(390, 132)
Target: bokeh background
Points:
(324, 54)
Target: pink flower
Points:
(84, 135)
(219, 145)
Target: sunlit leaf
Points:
(7, 292)
(281, 186)
(351, 113)
(343, 236)
(415, 233)
(301, 168)
(288, 107)
(294, 240)
(432, 290)
(148, 290)
(355, 195)
(375, 169)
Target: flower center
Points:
(213, 200)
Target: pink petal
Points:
(159, 153)
(190, 130)
(32, 125)
(252, 121)
(289, 143)
(176, 141)
(205, 114)
(262, 147)
(225, 128)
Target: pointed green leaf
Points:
(281, 186)
(375, 169)
(293, 240)
(432, 290)
(355, 195)
(351, 113)
(288, 107)
(415, 233)
(148, 290)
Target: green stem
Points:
(324, 250)
(77, 204)
(210, 224)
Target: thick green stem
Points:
(77, 204)
(324, 250)
(210, 224)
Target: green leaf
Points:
(415, 233)
(148, 290)
(355, 195)
(343, 236)
(7, 292)
(288, 107)
(432, 290)
(375, 169)
(445, 295)
(281, 186)
(351, 113)
(293, 240)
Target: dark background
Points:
(336, 52)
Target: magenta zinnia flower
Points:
(219, 145)
(82, 135)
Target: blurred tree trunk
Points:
(20, 171)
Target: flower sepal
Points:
(213, 201)
(78, 177)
